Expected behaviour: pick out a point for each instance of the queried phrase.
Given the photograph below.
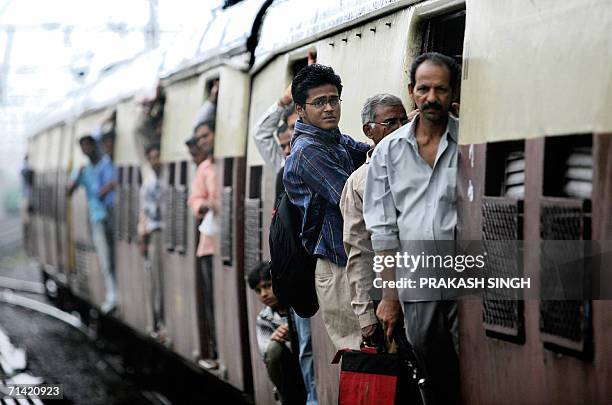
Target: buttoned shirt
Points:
(150, 201)
(93, 178)
(405, 198)
(204, 194)
(319, 164)
(358, 247)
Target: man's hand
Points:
(388, 312)
(107, 188)
(214, 92)
(286, 98)
(74, 184)
(312, 57)
(368, 331)
(203, 210)
(281, 334)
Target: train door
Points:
(36, 163)
(65, 142)
(229, 286)
(87, 281)
(52, 169)
(388, 44)
(182, 101)
(135, 302)
(545, 177)
(268, 85)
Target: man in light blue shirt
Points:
(99, 179)
(409, 200)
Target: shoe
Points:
(209, 364)
(108, 307)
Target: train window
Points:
(171, 170)
(502, 223)
(565, 217)
(227, 212)
(168, 209)
(568, 166)
(252, 219)
(180, 210)
(183, 173)
(228, 170)
(505, 169)
(255, 175)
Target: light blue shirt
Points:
(93, 178)
(405, 198)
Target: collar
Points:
(409, 131)
(369, 155)
(301, 128)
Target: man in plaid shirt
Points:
(321, 160)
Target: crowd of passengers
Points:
(401, 187)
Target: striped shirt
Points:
(319, 164)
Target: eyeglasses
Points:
(392, 122)
(323, 101)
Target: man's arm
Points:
(109, 179)
(359, 265)
(263, 136)
(75, 181)
(203, 193)
(380, 215)
(107, 188)
(320, 172)
(198, 194)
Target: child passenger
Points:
(273, 339)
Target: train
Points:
(535, 96)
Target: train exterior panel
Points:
(183, 98)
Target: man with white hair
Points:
(381, 115)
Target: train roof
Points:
(224, 35)
(289, 24)
(119, 82)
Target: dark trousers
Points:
(432, 330)
(284, 372)
(206, 271)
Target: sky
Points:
(52, 41)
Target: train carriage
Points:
(222, 54)
(348, 36)
(534, 165)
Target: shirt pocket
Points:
(447, 185)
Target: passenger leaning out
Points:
(99, 179)
(203, 201)
(410, 199)
(321, 160)
(274, 339)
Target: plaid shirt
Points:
(319, 164)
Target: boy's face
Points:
(265, 294)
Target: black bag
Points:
(292, 266)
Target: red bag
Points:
(371, 378)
